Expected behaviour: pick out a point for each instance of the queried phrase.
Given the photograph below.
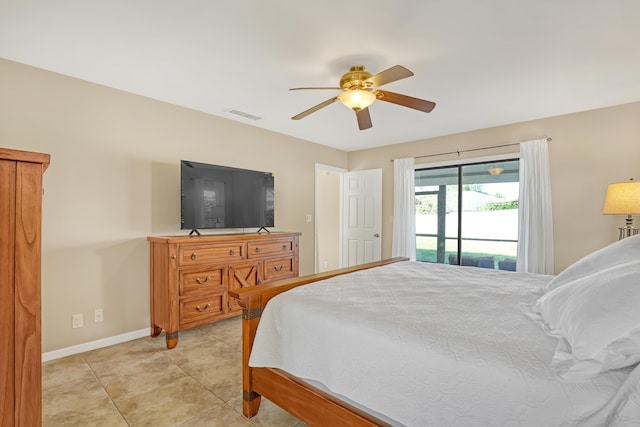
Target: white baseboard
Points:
(93, 345)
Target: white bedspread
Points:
(436, 345)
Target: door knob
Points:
(376, 235)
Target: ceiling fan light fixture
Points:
(359, 90)
(357, 99)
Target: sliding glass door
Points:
(468, 214)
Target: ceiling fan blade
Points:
(314, 109)
(405, 101)
(364, 119)
(315, 88)
(389, 75)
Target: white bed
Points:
(421, 344)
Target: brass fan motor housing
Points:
(356, 78)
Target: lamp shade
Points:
(357, 99)
(623, 198)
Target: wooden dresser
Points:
(20, 273)
(191, 276)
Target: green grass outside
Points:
(426, 250)
(431, 255)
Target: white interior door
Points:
(362, 217)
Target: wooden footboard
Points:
(308, 403)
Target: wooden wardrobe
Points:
(20, 256)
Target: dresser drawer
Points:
(202, 309)
(206, 254)
(205, 280)
(270, 248)
(278, 268)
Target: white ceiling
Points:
(485, 63)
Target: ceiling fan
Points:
(359, 90)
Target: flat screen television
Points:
(214, 196)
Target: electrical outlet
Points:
(98, 315)
(308, 218)
(77, 321)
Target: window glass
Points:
(468, 214)
(436, 214)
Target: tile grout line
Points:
(104, 388)
(205, 387)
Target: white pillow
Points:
(620, 252)
(597, 318)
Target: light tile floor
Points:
(141, 383)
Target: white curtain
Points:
(535, 230)
(404, 209)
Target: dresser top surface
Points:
(213, 238)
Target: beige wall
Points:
(589, 150)
(114, 180)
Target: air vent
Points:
(243, 114)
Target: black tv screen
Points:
(214, 196)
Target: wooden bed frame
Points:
(308, 403)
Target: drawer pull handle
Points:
(232, 252)
(257, 249)
(276, 268)
(205, 280)
(201, 310)
(194, 256)
(284, 247)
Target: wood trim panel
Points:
(309, 404)
(28, 342)
(20, 287)
(7, 291)
(26, 156)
